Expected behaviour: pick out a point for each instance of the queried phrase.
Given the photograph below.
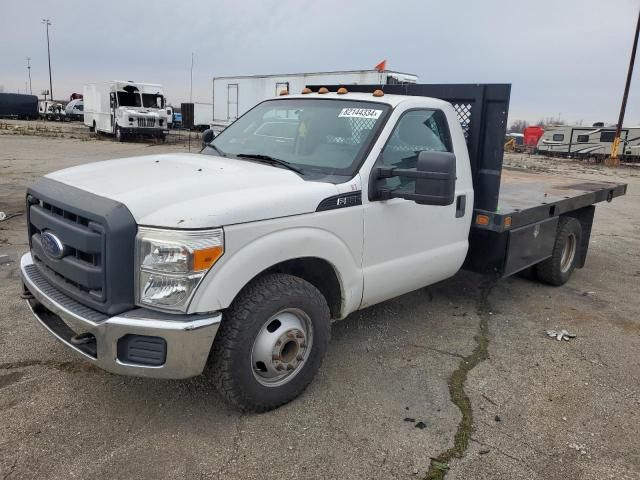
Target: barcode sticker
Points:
(360, 113)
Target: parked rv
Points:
(17, 105)
(233, 96)
(74, 110)
(588, 142)
(125, 109)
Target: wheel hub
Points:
(281, 347)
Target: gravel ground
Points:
(541, 408)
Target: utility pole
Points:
(46, 22)
(29, 70)
(614, 161)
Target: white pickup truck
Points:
(306, 209)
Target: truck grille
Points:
(146, 122)
(81, 267)
(95, 265)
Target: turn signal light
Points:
(482, 220)
(204, 259)
(507, 222)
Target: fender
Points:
(237, 268)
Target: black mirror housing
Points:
(435, 180)
(439, 186)
(208, 136)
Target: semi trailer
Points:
(307, 208)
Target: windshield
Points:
(322, 135)
(129, 99)
(151, 100)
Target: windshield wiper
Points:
(272, 160)
(220, 152)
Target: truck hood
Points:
(197, 191)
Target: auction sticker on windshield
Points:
(360, 113)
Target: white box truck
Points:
(125, 109)
(233, 96)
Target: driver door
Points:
(406, 245)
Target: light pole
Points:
(29, 70)
(613, 161)
(46, 22)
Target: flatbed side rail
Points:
(482, 110)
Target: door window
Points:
(416, 131)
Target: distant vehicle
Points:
(17, 105)
(589, 142)
(177, 119)
(169, 110)
(532, 136)
(233, 96)
(125, 109)
(74, 110)
(197, 116)
(514, 142)
(51, 110)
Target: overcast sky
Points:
(564, 58)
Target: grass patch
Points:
(440, 465)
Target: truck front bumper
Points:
(139, 342)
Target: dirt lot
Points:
(539, 408)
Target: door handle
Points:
(461, 205)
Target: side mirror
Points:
(439, 185)
(435, 180)
(208, 136)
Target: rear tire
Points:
(557, 269)
(271, 342)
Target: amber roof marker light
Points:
(323, 90)
(306, 90)
(378, 93)
(342, 91)
(283, 92)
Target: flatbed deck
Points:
(528, 197)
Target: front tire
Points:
(557, 269)
(271, 342)
(119, 134)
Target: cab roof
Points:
(392, 100)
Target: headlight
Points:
(171, 264)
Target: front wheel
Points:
(119, 134)
(271, 342)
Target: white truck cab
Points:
(306, 209)
(125, 109)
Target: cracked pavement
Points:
(62, 418)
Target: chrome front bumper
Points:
(188, 337)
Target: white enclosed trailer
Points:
(233, 96)
(125, 108)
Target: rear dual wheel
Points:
(271, 342)
(557, 269)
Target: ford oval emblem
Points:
(52, 245)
